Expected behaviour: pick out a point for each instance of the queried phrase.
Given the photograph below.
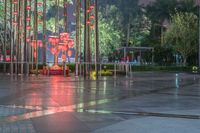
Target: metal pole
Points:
(5, 35)
(199, 31)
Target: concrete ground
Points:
(144, 103)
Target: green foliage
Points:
(160, 10)
(182, 34)
(109, 37)
(139, 30)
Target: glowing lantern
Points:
(88, 10)
(15, 2)
(92, 26)
(28, 7)
(53, 40)
(91, 7)
(40, 43)
(40, 13)
(35, 54)
(15, 13)
(69, 53)
(70, 43)
(39, 3)
(64, 48)
(92, 16)
(28, 27)
(53, 51)
(63, 57)
(33, 43)
(28, 18)
(88, 22)
(28, 39)
(64, 36)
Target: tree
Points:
(182, 34)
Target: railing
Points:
(79, 69)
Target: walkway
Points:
(147, 103)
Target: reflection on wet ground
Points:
(71, 104)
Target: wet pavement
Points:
(147, 102)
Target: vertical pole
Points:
(199, 31)
(152, 60)
(88, 41)
(22, 44)
(18, 37)
(44, 32)
(85, 36)
(25, 36)
(36, 33)
(5, 35)
(78, 3)
(96, 38)
(11, 39)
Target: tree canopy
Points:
(182, 33)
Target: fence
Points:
(79, 69)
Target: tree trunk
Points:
(184, 61)
(78, 7)
(44, 32)
(96, 38)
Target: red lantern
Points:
(88, 22)
(92, 26)
(53, 51)
(15, 2)
(63, 57)
(64, 36)
(40, 43)
(39, 3)
(28, 27)
(64, 48)
(53, 40)
(92, 16)
(70, 43)
(15, 12)
(35, 54)
(28, 7)
(28, 18)
(69, 53)
(28, 39)
(40, 13)
(33, 43)
(91, 7)
(88, 10)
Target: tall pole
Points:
(78, 4)
(25, 36)
(36, 33)
(11, 39)
(85, 36)
(96, 38)
(88, 41)
(44, 32)
(199, 31)
(5, 35)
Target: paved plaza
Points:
(148, 102)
